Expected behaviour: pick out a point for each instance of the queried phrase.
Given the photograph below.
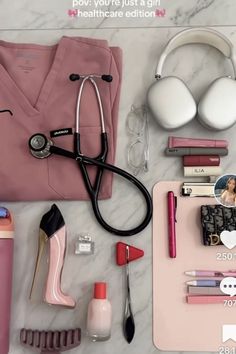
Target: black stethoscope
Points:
(42, 147)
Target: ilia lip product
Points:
(174, 142)
(201, 160)
(196, 151)
(202, 171)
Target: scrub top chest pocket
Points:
(92, 118)
(65, 178)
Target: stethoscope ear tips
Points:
(74, 77)
(107, 78)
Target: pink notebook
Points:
(178, 326)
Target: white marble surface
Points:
(198, 66)
(34, 14)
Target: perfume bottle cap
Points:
(100, 291)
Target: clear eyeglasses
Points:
(138, 149)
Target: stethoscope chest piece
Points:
(40, 145)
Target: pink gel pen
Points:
(172, 206)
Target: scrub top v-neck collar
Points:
(16, 92)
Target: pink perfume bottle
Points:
(99, 315)
(53, 231)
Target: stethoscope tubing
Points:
(86, 160)
(93, 82)
(99, 162)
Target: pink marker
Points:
(214, 299)
(172, 207)
(211, 273)
(174, 142)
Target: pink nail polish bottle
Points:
(99, 315)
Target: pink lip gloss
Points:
(174, 142)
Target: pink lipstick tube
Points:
(174, 142)
(6, 267)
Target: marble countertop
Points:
(198, 66)
(37, 14)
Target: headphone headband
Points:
(198, 36)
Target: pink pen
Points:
(174, 142)
(211, 273)
(172, 206)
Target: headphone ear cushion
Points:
(217, 107)
(171, 103)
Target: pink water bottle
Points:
(6, 267)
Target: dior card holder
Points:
(214, 220)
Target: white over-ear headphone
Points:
(171, 102)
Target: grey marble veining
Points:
(198, 66)
(43, 14)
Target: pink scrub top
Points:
(35, 86)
